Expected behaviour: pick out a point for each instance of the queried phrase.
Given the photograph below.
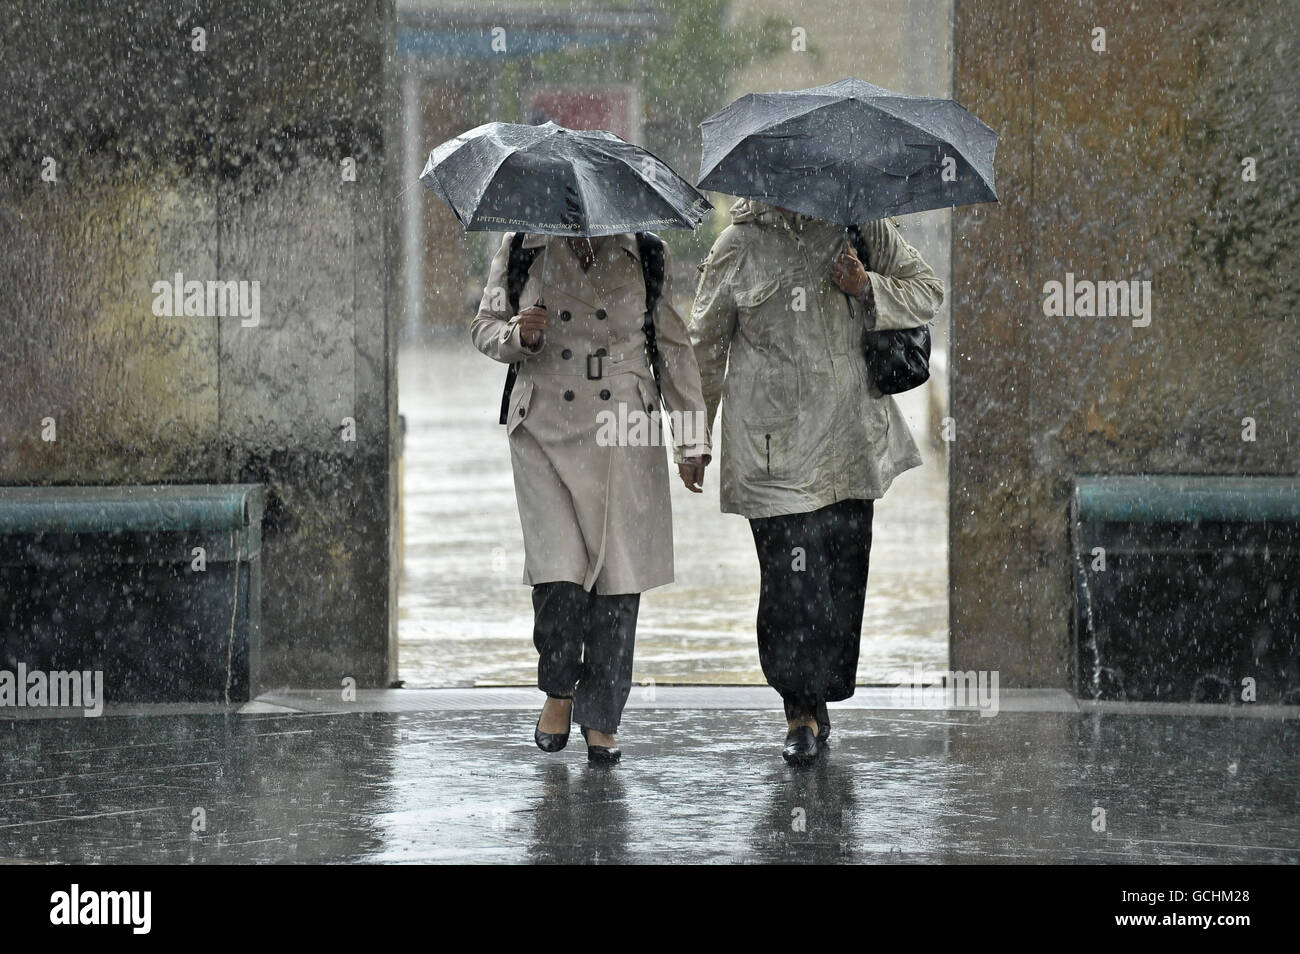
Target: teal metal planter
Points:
(1185, 588)
(159, 587)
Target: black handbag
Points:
(898, 358)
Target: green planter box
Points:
(108, 578)
(1197, 600)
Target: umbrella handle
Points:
(848, 302)
(541, 278)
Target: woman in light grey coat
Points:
(590, 471)
(809, 442)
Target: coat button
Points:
(601, 314)
(568, 395)
(565, 316)
(523, 411)
(566, 354)
(604, 394)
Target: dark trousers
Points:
(584, 643)
(813, 568)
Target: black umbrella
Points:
(557, 181)
(848, 152)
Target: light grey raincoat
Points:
(780, 347)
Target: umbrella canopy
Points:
(557, 181)
(848, 152)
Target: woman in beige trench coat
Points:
(589, 466)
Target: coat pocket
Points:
(754, 296)
(762, 316)
(521, 398)
(772, 440)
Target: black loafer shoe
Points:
(601, 755)
(800, 746)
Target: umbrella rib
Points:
(880, 103)
(580, 182)
(926, 127)
(665, 201)
(740, 141)
(509, 152)
(445, 195)
(573, 179)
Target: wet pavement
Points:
(406, 776)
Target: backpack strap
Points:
(520, 261)
(650, 248)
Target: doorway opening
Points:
(464, 618)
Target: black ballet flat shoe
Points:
(550, 741)
(599, 754)
(823, 724)
(801, 746)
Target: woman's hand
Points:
(691, 470)
(532, 324)
(849, 274)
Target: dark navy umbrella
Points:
(547, 179)
(848, 152)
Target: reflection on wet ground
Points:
(465, 619)
(703, 785)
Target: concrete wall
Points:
(1116, 165)
(219, 164)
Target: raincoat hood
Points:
(752, 210)
(760, 213)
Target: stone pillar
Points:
(217, 141)
(1117, 165)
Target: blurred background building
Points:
(648, 71)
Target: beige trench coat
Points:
(593, 493)
(779, 345)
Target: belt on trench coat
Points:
(595, 367)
